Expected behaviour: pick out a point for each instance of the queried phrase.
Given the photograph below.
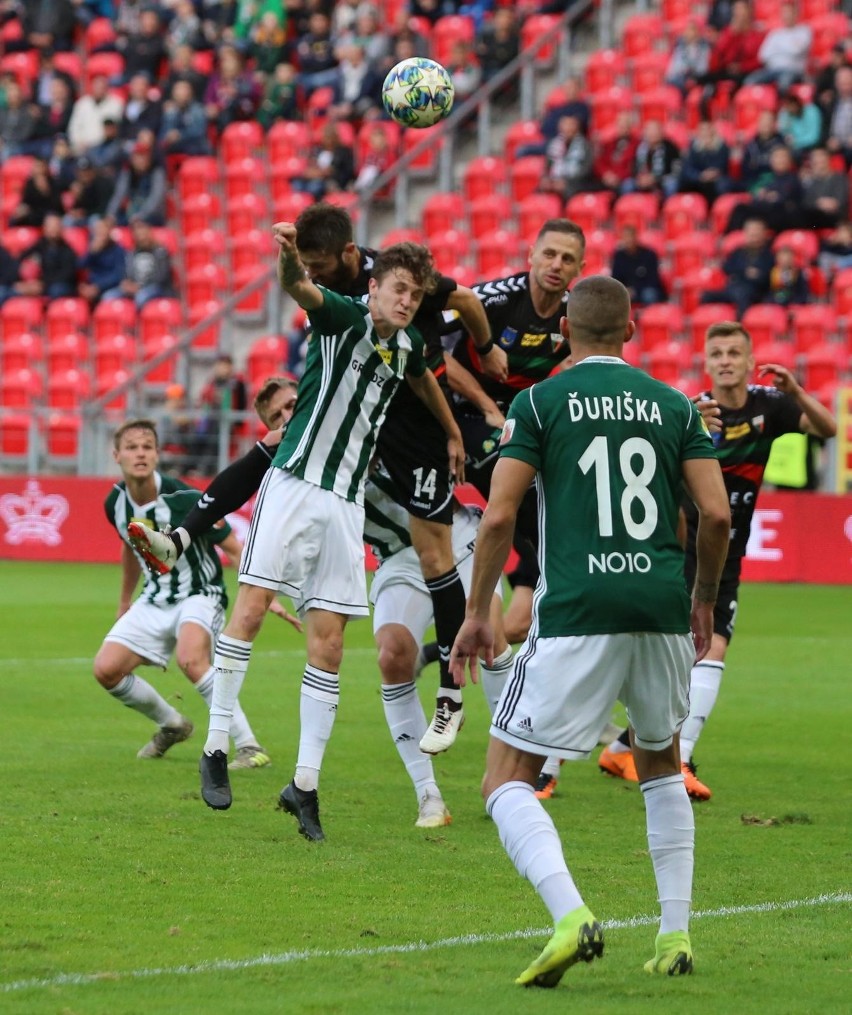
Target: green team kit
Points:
(608, 444)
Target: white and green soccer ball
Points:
(418, 92)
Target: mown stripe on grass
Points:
(310, 954)
(284, 653)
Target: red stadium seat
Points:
(605, 68)
(240, 140)
(705, 315)
(684, 213)
(749, 102)
(65, 314)
(20, 315)
(19, 238)
(252, 248)
(107, 63)
(285, 139)
(69, 63)
(533, 28)
(462, 273)
(16, 434)
(20, 388)
(199, 212)
(812, 325)
(449, 247)
(67, 351)
(525, 176)
(197, 174)
(655, 239)
(154, 346)
(841, 293)
(244, 176)
(20, 351)
(205, 283)
(77, 238)
(825, 364)
(105, 383)
(159, 317)
(827, 30)
(243, 213)
(533, 212)
(483, 175)
(771, 351)
(486, 214)
(115, 352)
(695, 283)
(403, 235)
(99, 32)
(648, 71)
(68, 389)
(13, 175)
(635, 210)
(803, 242)
(589, 210)
(660, 324)
(449, 29)
(202, 247)
(267, 357)
(113, 317)
(344, 199)
(253, 303)
(668, 361)
(495, 250)
(600, 244)
(288, 209)
(692, 250)
(424, 164)
(207, 338)
(23, 66)
(521, 132)
(664, 104)
(642, 32)
(62, 435)
(608, 105)
(766, 322)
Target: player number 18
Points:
(596, 456)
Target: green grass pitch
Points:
(123, 893)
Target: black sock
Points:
(448, 604)
(624, 738)
(228, 491)
(430, 653)
(178, 544)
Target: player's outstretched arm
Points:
(469, 308)
(816, 419)
(292, 275)
(705, 485)
(428, 390)
(462, 381)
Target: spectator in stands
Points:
(184, 127)
(758, 150)
(705, 166)
(41, 89)
(571, 103)
(109, 154)
(825, 78)
(18, 122)
(145, 50)
(431, 10)
(835, 250)
(372, 37)
(617, 154)
(356, 87)
(315, 54)
(184, 28)
(280, 96)
(89, 194)
(637, 267)
(48, 23)
(140, 191)
(747, 268)
(103, 265)
(182, 68)
(344, 18)
(464, 70)
(784, 52)
(569, 161)
(800, 124)
(331, 165)
(778, 197)
(838, 116)
(690, 58)
(224, 392)
(54, 118)
(825, 193)
(143, 111)
(656, 164)
(127, 20)
(49, 267)
(787, 281)
(41, 196)
(497, 45)
(268, 42)
(177, 435)
(8, 275)
(86, 126)
(148, 269)
(719, 15)
(63, 165)
(734, 54)
(232, 93)
(377, 158)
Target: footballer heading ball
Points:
(418, 92)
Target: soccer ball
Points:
(418, 92)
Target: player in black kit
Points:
(412, 448)
(752, 416)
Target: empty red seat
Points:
(648, 70)
(285, 139)
(113, 317)
(695, 283)
(770, 350)
(803, 242)
(20, 388)
(197, 175)
(589, 210)
(641, 33)
(99, 32)
(267, 357)
(23, 66)
(812, 325)
(765, 322)
(68, 389)
(68, 313)
(393, 236)
(208, 334)
(16, 434)
(69, 63)
(705, 315)
(107, 63)
(244, 212)
(199, 211)
(159, 317)
(114, 352)
(521, 132)
(494, 251)
(533, 212)
(253, 303)
(604, 68)
(664, 104)
(156, 345)
(206, 282)
(449, 247)
(442, 211)
(20, 315)
(425, 163)
(826, 31)
(660, 324)
(608, 105)
(483, 175)
(668, 361)
(534, 28)
(240, 140)
(684, 213)
(62, 435)
(244, 176)
(636, 210)
(344, 199)
(449, 29)
(600, 246)
(253, 248)
(486, 214)
(749, 102)
(824, 365)
(203, 247)
(692, 250)
(67, 351)
(525, 176)
(107, 382)
(288, 208)
(841, 293)
(20, 351)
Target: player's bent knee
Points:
(104, 670)
(397, 660)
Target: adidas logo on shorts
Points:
(525, 725)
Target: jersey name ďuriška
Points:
(608, 443)
(350, 376)
(198, 570)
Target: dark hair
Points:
(565, 226)
(726, 329)
(411, 257)
(324, 228)
(135, 424)
(598, 310)
(268, 389)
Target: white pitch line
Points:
(308, 955)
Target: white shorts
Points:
(151, 631)
(562, 691)
(307, 543)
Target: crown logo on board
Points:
(33, 516)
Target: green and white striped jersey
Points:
(350, 376)
(198, 570)
(608, 443)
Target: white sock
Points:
(138, 694)
(453, 693)
(231, 661)
(494, 677)
(671, 842)
(317, 711)
(704, 683)
(531, 840)
(407, 723)
(184, 537)
(240, 731)
(551, 766)
(617, 747)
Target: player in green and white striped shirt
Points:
(181, 611)
(306, 534)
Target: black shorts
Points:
(725, 610)
(412, 446)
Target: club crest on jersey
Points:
(488, 445)
(557, 341)
(508, 430)
(386, 354)
(759, 423)
(508, 338)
